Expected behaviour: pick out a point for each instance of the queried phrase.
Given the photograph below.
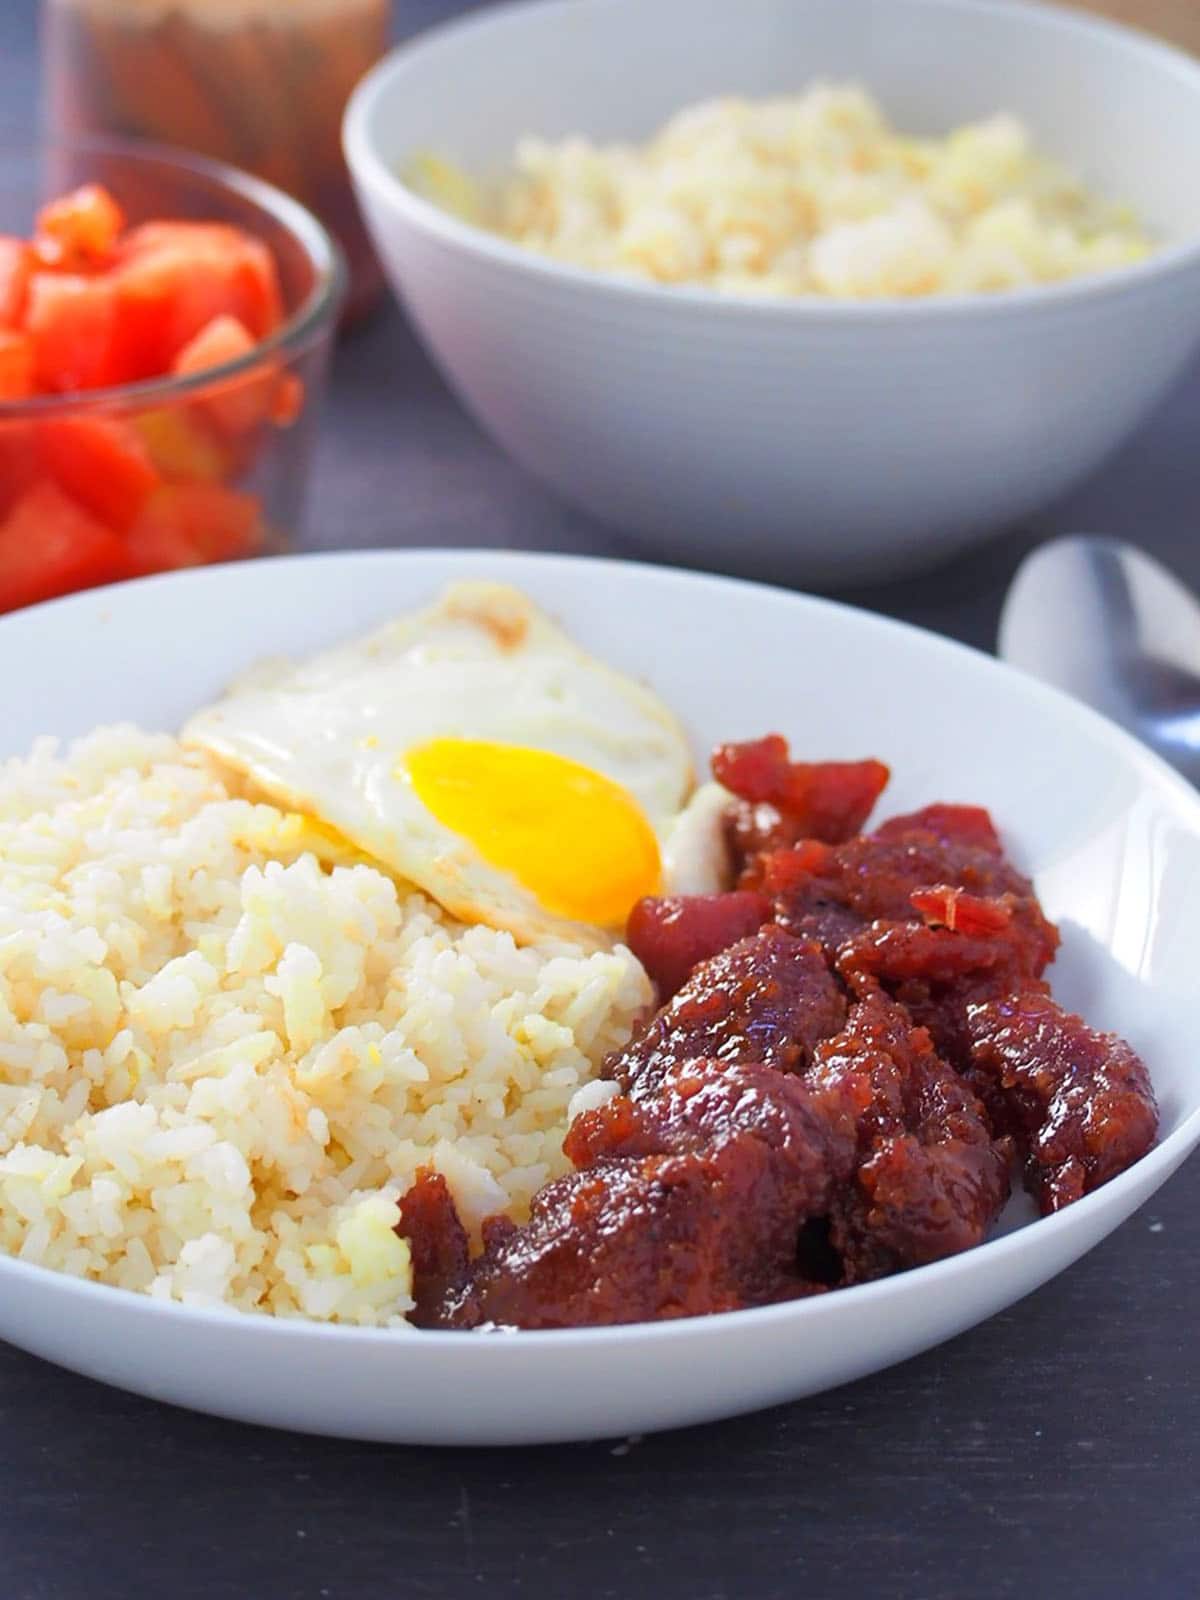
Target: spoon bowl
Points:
(1115, 628)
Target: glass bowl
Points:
(183, 470)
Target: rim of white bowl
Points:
(371, 169)
(1166, 1155)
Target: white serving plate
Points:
(1111, 835)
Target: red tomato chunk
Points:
(80, 230)
(16, 365)
(16, 264)
(50, 546)
(101, 464)
(86, 496)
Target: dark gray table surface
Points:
(1051, 1452)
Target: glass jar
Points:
(108, 483)
(259, 84)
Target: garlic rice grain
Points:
(226, 1046)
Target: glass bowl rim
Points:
(316, 311)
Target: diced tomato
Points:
(158, 542)
(16, 263)
(221, 523)
(289, 400)
(236, 405)
(71, 320)
(173, 279)
(50, 546)
(222, 340)
(16, 365)
(183, 524)
(80, 230)
(88, 499)
(247, 262)
(179, 443)
(19, 464)
(102, 464)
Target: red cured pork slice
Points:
(640, 1241)
(968, 950)
(430, 1222)
(1080, 1103)
(779, 801)
(951, 824)
(930, 1178)
(768, 998)
(828, 893)
(700, 1103)
(773, 1139)
(670, 936)
(689, 1203)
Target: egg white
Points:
(696, 858)
(328, 737)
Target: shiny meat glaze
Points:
(1079, 1102)
(687, 1202)
(769, 998)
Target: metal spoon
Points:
(1115, 628)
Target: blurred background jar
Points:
(260, 84)
(1176, 20)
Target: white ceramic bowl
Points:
(822, 440)
(1111, 835)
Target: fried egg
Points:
(696, 856)
(473, 750)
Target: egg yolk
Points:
(571, 836)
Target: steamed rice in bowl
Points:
(225, 1048)
(811, 194)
